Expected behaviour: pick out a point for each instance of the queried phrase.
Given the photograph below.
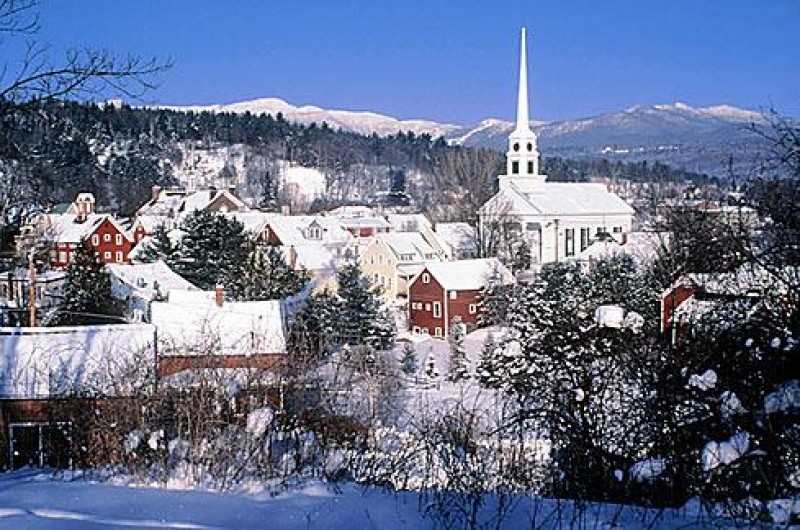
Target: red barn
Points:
(449, 289)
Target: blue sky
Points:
(452, 61)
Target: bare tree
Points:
(464, 179)
(36, 77)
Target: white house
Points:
(557, 219)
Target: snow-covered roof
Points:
(468, 274)
(292, 229)
(558, 198)
(408, 222)
(68, 228)
(190, 322)
(146, 280)
(349, 212)
(457, 235)
(151, 222)
(364, 222)
(38, 362)
(253, 222)
(404, 244)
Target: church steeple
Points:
(523, 153)
(523, 122)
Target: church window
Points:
(530, 167)
(514, 167)
(569, 242)
(516, 146)
(530, 146)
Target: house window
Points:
(426, 278)
(107, 256)
(62, 256)
(530, 168)
(569, 242)
(95, 240)
(107, 238)
(584, 238)
(438, 332)
(453, 295)
(119, 256)
(473, 308)
(617, 229)
(427, 307)
(437, 310)
(514, 167)
(119, 239)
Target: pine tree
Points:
(494, 301)
(458, 353)
(408, 362)
(87, 296)
(363, 318)
(213, 251)
(159, 247)
(267, 276)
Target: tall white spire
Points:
(522, 157)
(523, 121)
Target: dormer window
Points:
(314, 232)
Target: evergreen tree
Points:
(363, 318)
(213, 251)
(487, 367)
(408, 362)
(458, 353)
(267, 276)
(494, 301)
(87, 293)
(160, 247)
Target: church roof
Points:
(558, 198)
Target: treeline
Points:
(51, 151)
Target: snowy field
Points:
(33, 500)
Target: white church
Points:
(557, 219)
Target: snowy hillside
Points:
(363, 122)
(693, 138)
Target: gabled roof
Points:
(290, 229)
(467, 274)
(66, 228)
(408, 243)
(558, 198)
(146, 280)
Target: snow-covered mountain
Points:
(698, 139)
(363, 122)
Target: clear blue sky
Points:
(452, 61)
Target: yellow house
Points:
(392, 259)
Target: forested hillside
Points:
(50, 152)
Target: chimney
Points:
(155, 192)
(219, 295)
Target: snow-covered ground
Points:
(33, 500)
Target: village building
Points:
(389, 261)
(47, 378)
(459, 240)
(200, 330)
(444, 291)
(557, 219)
(138, 285)
(711, 302)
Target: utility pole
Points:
(31, 292)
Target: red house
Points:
(449, 289)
